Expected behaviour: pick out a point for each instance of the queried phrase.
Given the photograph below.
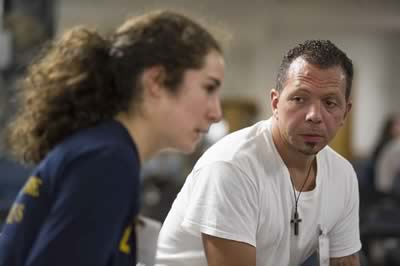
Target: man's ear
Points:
(153, 81)
(274, 97)
(349, 104)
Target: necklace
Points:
(296, 218)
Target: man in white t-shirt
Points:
(274, 193)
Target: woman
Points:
(390, 131)
(93, 109)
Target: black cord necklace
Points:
(296, 219)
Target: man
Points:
(274, 193)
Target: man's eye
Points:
(330, 103)
(298, 99)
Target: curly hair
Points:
(322, 53)
(84, 78)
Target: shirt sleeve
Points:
(345, 235)
(93, 199)
(223, 203)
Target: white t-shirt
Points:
(240, 190)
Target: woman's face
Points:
(196, 105)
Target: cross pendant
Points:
(296, 220)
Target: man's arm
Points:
(352, 260)
(224, 252)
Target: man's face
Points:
(311, 107)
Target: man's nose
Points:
(314, 113)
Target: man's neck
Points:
(291, 157)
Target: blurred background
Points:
(256, 34)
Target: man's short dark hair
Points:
(322, 53)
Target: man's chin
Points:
(311, 153)
(310, 149)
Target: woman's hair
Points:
(84, 78)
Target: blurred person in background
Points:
(380, 197)
(274, 193)
(385, 157)
(374, 186)
(92, 110)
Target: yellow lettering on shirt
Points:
(32, 186)
(124, 244)
(16, 213)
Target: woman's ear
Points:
(153, 81)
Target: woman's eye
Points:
(210, 89)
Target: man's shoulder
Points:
(331, 156)
(239, 146)
(337, 167)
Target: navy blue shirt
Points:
(79, 205)
(12, 178)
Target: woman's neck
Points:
(142, 133)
